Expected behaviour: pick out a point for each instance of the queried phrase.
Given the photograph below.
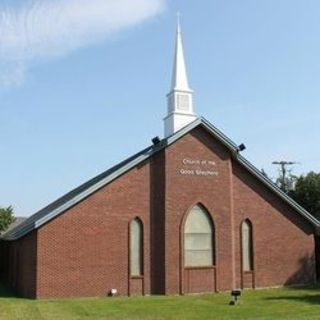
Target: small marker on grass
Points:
(235, 295)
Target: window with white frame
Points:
(198, 239)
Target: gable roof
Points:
(16, 222)
(78, 194)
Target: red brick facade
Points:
(84, 251)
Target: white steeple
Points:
(180, 98)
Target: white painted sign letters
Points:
(198, 167)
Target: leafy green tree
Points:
(6, 218)
(307, 193)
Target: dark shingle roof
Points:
(16, 222)
(62, 204)
(31, 223)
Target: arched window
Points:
(247, 248)
(136, 247)
(198, 239)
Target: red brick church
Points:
(188, 214)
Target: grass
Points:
(285, 303)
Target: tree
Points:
(6, 218)
(307, 193)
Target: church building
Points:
(188, 214)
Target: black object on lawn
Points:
(235, 294)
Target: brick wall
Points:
(19, 268)
(157, 226)
(283, 241)
(84, 251)
(185, 191)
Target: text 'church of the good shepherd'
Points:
(188, 214)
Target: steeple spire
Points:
(180, 97)
(179, 74)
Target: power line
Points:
(284, 181)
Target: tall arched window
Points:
(247, 248)
(198, 239)
(136, 247)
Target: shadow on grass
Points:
(311, 287)
(305, 294)
(310, 299)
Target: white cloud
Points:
(37, 30)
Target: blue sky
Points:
(83, 84)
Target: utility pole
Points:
(283, 181)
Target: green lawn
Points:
(302, 303)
